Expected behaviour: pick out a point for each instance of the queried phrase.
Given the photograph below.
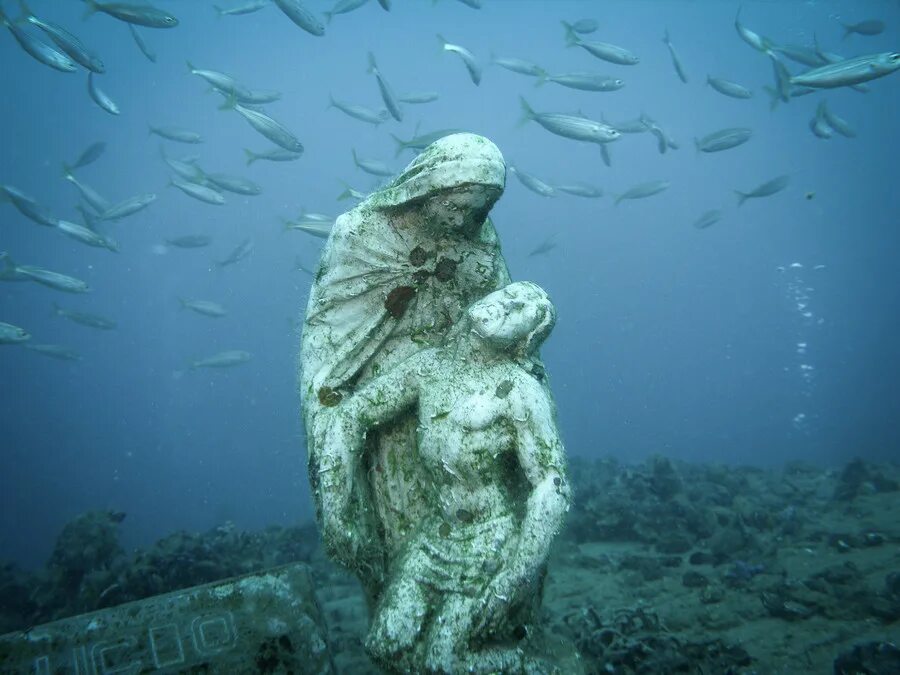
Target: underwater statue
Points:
(436, 467)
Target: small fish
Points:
(238, 10)
(223, 359)
(100, 97)
(635, 126)
(142, 15)
(819, 126)
(128, 206)
(533, 183)
(350, 193)
(839, 124)
(28, 207)
(373, 166)
(359, 112)
(782, 78)
(421, 141)
(39, 51)
(300, 267)
(708, 219)
(728, 88)
(190, 241)
(387, 94)
(643, 190)
(570, 126)
(235, 184)
(867, 27)
(418, 97)
(755, 40)
(204, 307)
(343, 7)
(300, 15)
(768, 188)
(583, 81)
(85, 319)
(519, 66)
(273, 155)
(268, 127)
(663, 142)
(55, 352)
(139, 41)
(849, 72)
(581, 190)
(91, 154)
(86, 235)
(256, 96)
(468, 58)
(585, 26)
(242, 251)
(176, 134)
(10, 271)
(385, 5)
(723, 139)
(544, 247)
(807, 56)
(221, 82)
(197, 191)
(602, 50)
(12, 335)
(186, 169)
(68, 43)
(604, 155)
(676, 62)
(316, 228)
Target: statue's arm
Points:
(542, 458)
(342, 441)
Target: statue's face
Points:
(462, 209)
(509, 315)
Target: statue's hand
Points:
(501, 593)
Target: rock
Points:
(871, 658)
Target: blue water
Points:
(671, 340)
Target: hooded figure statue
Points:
(396, 274)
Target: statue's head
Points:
(453, 183)
(518, 317)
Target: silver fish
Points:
(728, 88)
(519, 66)
(89, 194)
(185, 169)
(197, 191)
(544, 247)
(604, 155)
(343, 7)
(644, 190)
(867, 27)
(819, 126)
(839, 124)
(257, 96)
(417, 97)
(223, 359)
(583, 81)
(300, 15)
(782, 78)
(222, 82)
(100, 97)
(533, 183)
(139, 41)
(316, 228)
(190, 241)
(385, 4)
(570, 126)
(12, 335)
(373, 166)
(350, 193)
(468, 58)
(581, 190)
(421, 141)
(273, 155)
(235, 184)
(204, 307)
(246, 8)
(142, 15)
(387, 94)
(86, 235)
(176, 134)
(676, 62)
(239, 253)
(85, 319)
(10, 271)
(268, 127)
(63, 39)
(602, 50)
(768, 188)
(38, 50)
(27, 206)
(91, 154)
(708, 219)
(128, 206)
(758, 42)
(359, 112)
(850, 71)
(585, 26)
(807, 56)
(723, 139)
(55, 352)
